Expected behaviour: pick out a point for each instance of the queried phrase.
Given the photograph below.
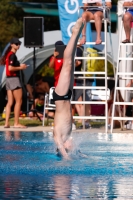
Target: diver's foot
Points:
(77, 28)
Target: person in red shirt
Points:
(13, 84)
(56, 63)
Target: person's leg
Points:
(8, 107)
(88, 106)
(18, 101)
(66, 78)
(98, 16)
(80, 109)
(73, 113)
(109, 115)
(132, 116)
(63, 118)
(86, 16)
(127, 18)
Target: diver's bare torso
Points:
(63, 119)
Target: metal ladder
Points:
(106, 21)
(122, 76)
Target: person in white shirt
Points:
(93, 13)
(127, 19)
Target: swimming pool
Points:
(30, 168)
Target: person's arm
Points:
(32, 107)
(52, 60)
(128, 3)
(30, 91)
(77, 63)
(14, 68)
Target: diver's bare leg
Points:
(62, 130)
(66, 76)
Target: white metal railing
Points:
(105, 21)
(84, 72)
(122, 76)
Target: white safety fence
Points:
(121, 76)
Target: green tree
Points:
(11, 20)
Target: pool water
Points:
(101, 167)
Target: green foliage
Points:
(46, 71)
(11, 20)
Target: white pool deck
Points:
(48, 129)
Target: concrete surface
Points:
(48, 129)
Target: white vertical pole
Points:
(106, 105)
(116, 78)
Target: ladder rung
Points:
(123, 103)
(124, 88)
(93, 21)
(92, 77)
(130, 78)
(103, 43)
(99, 52)
(123, 118)
(89, 87)
(126, 44)
(88, 102)
(90, 58)
(89, 73)
(125, 73)
(122, 58)
(89, 117)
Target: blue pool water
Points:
(30, 168)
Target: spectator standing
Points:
(13, 85)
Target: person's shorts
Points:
(88, 91)
(66, 97)
(13, 83)
(94, 10)
(77, 92)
